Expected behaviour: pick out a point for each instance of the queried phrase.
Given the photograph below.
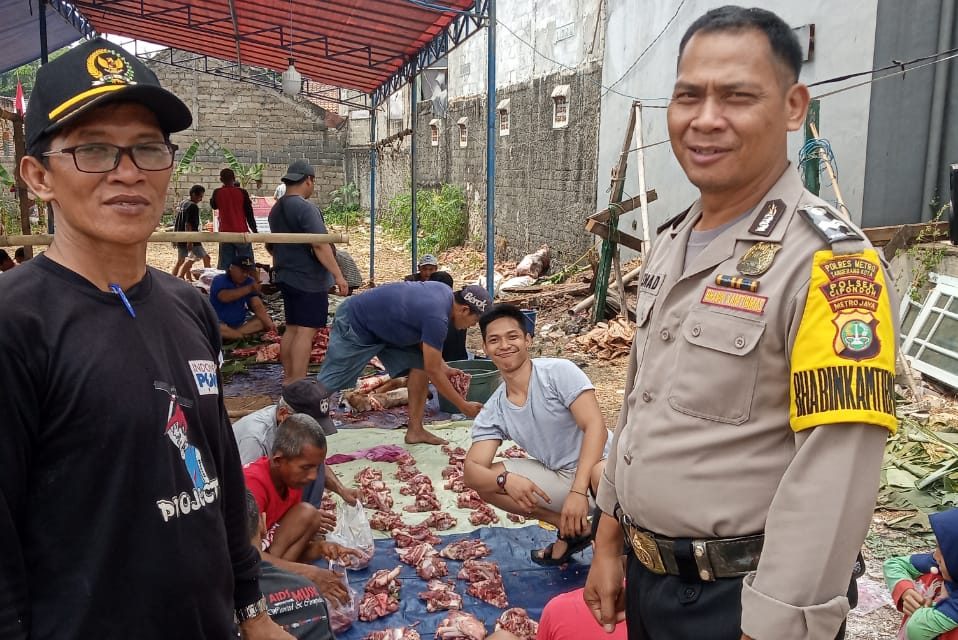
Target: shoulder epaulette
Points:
(828, 224)
(673, 222)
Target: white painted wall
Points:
(844, 43)
(570, 32)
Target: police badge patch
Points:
(758, 259)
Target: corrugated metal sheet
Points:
(356, 44)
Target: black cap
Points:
(307, 396)
(243, 261)
(299, 170)
(94, 73)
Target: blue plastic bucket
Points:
(530, 315)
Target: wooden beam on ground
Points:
(909, 233)
(624, 207)
(601, 229)
(203, 236)
(883, 235)
(588, 302)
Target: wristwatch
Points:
(501, 480)
(250, 611)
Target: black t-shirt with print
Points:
(295, 603)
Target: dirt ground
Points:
(393, 262)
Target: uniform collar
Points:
(788, 189)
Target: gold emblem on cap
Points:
(105, 66)
(757, 259)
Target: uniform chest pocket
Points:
(716, 366)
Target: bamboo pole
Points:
(831, 175)
(203, 236)
(587, 302)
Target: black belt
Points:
(705, 559)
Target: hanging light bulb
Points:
(292, 79)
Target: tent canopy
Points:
(20, 31)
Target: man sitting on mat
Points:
(294, 528)
(548, 407)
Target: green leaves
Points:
(443, 221)
(245, 173)
(344, 206)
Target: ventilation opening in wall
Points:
(503, 109)
(463, 131)
(434, 132)
(560, 106)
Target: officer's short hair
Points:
(782, 40)
(502, 311)
(297, 431)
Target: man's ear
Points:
(34, 173)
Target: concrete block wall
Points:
(545, 177)
(257, 125)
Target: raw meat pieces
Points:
(382, 595)
(491, 591)
(466, 549)
(407, 472)
(478, 570)
(457, 454)
(440, 520)
(431, 567)
(426, 501)
(516, 518)
(441, 596)
(406, 536)
(483, 515)
(396, 633)
(456, 485)
(469, 499)
(460, 382)
(385, 520)
(515, 451)
(517, 622)
(535, 264)
(376, 495)
(415, 484)
(376, 605)
(452, 470)
(460, 625)
(367, 475)
(414, 554)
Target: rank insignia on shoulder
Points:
(828, 224)
(737, 282)
(757, 259)
(767, 218)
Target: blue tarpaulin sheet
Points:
(527, 584)
(20, 32)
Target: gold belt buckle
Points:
(646, 550)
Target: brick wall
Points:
(257, 125)
(545, 177)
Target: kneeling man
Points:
(548, 407)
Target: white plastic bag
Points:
(342, 616)
(353, 532)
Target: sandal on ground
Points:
(543, 557)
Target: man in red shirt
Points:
(235, 215)
(293, 527)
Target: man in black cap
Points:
(235, 295)
(121, 492)
(405, 325)
(302, 272)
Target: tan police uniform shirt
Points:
(764, 411)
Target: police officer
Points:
(759, 394)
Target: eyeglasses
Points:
(101, 157)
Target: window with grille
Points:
(504, 122)
(463, 133)
(560, 113)
(930, 331)
(434, 132)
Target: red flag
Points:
(19, 105)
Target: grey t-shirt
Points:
(255, 434)
(294, 266)
(544, 425)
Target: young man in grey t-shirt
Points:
(548, 407)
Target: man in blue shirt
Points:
(405, 324)
(234, 295)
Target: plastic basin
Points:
(485, 379)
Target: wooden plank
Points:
(883, 235)
(624, 207)
(619, 237)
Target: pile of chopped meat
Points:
(396, 633)
(270, 352)
(517, 622)
(381, 595)
(440, 521)
(367, 475)
(426, 559)
(515, 451)
(456, 484)
(516, 517)
(456, 455)
(484, 514)
(408, 535)
(385, 520)
(485, 582)
(469, 499)
(407, 471)
(414, 483)
(375, 495)
(460, 382)
(441, 596)
(426, 499)
(460, 625)
(469, 548)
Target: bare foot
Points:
(417, 436)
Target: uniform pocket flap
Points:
(643, 309)
(722, 332)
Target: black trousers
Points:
(666, 608)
